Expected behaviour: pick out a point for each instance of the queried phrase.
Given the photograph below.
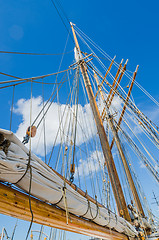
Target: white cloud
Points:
(85, 127)
(116, 104)
(90, 165)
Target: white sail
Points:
(48, 186)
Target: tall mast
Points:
(125, 104)
(116, 186)
(118, 144)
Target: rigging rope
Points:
(12, 85)
(110, 59)
(61, 129)
(46, 110)
(12, 107)
(8, 75)
(44, 121)
(60, 149)
(136, 180)
(29, 167)
(58, 130)
(141, 155)
(93, 146)
(53, 2)
(147, 123)
(52, 92)
(47, 103)
(143, 145)
(34, 78)
(41, 54)
(76, 115)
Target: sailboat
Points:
(37, 191)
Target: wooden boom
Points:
(16, 204)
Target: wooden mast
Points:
(116, 186)
(118, 82)
(118, 144)
(125, 104)
(126, 167)
(114, 82)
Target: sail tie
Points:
(27, 168)
(63, 190)
(96, 211)
(88, 206)
(109, 219)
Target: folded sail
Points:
(49, 187)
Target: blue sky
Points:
(127, 29)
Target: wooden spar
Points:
(118, 82)
(114, 82)
(144, 118)
(116, 186)
(108, 70)
(82, 193)
(125, 104)
(126, 167)
(83, 59)
(117, 140)
(16, 204)
(114, 89)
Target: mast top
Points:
(72, 24)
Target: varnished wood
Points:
(114, 82)
(116, 138)
(125, 104)
(118, 82)
(109, 95)
(114, 88)
(113, 175)
(16, 204)
(126, 167)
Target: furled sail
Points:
(49, 187)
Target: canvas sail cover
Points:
(49, 187)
